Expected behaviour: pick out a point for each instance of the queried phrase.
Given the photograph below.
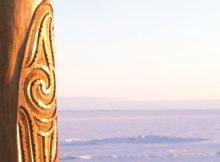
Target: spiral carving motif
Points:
(37, 125)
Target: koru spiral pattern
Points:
(36, 119)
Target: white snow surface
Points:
(139, 136)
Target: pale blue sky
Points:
(138, 49)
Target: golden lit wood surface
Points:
(28, 128)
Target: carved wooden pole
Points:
(28, 128)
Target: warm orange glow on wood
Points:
(28, 126)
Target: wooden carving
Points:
(36, 117)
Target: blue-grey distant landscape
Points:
(139, 136)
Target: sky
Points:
(138, 49)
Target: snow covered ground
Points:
(140, 136)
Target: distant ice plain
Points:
(139, 136)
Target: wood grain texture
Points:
(28, 128)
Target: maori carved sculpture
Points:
(36, 116)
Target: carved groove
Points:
(37, 127)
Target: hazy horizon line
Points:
(94, 103)
(130, 99)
